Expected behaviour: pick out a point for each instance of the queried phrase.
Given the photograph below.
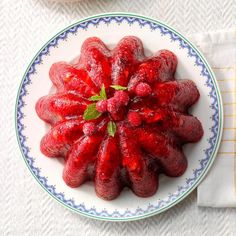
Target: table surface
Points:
(25, 208)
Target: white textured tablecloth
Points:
(25, 209)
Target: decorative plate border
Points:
(213, 141)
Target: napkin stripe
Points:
(222, 80)
(223, 68)
(228, 91)
(229, 106)
(227, 153)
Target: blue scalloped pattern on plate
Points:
(142, 23)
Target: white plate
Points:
(64, 47)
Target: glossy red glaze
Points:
(60, 137)
(107, 174)
(80, 158)
(61, 106)
(144, 182)
(177, 95)
(170, 157)
(158, 68)
(186, 127)
(125, 58)
(95, 59)
(65, 77)
(134, 118)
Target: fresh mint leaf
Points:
(111, 128)
(91, 113)
(95, 98)
(101, 96)
(118, 87)
(102, 93)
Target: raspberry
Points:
(89, 128)
(143, 89)
(122, 97)
(116, 110)
(134, 118)
(112, 105)
(101, 106)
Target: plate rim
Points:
(220, 110)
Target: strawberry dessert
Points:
(119, 118)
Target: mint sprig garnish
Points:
(91, 113)
(111, 128)
(101, 96)
(118, 87)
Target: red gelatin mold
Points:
(119, 118)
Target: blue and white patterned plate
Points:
(64, 47)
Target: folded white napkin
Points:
(218, 189)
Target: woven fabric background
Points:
(25, 209)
